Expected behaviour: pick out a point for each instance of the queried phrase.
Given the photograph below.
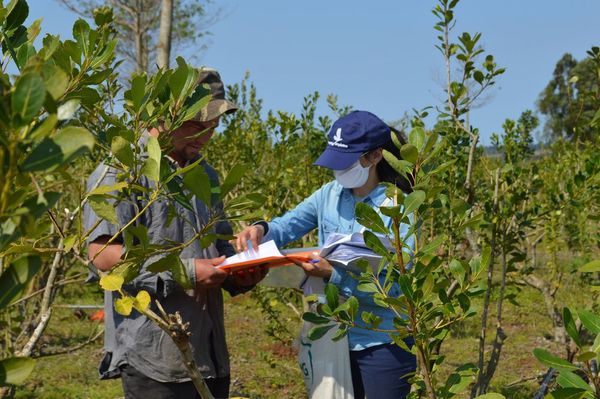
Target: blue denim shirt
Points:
(330, 209)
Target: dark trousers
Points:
(137, 386)
(377, 372)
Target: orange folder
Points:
(269, 261)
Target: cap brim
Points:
(216, 108)
(337, 160)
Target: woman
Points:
(355, 154)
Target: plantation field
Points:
(263, 367)
(494, 263)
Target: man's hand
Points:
(254, 234)
(250, 277)
(207, 275)
(317, 266)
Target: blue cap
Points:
(350, 137)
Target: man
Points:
(137, 350)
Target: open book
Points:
(345, 251)
(267, 254)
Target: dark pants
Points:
(137, 386)
(377, 372)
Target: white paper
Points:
(265, 250)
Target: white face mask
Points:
(353, 177)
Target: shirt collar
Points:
(376, 196)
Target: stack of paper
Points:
(267, 254)
(345, 250)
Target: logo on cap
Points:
(337, 138)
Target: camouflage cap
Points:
(218, 105)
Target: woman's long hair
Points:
(386, 173)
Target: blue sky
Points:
(380, 55)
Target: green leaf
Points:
(124, 305)
(37, 205)
(111, 282)
(401, 166)
(458, 271)
(569, 393)
(416, 137)
(56, 80)
(126, 269)
(65, 146)
(16, 277)
(44, 129)
(314, 318)
(163, 264)
(198, 182)
(339, 334)
(317, 332)
(136, 93)
(106, 54)
(369, 218)
(567, 379)
(596, 345)
(81, 33)
(234, 177)
(153, 149)
(413, 201)
(491, 395)
(17, 14)
(374, 243)
(151, 167)
(586, 356)
(367, 287)
(550, 360)
(121, 149)
(486, 257)
(590, 320)
(405, 283)
(28, 97)
(443, 167)
(15, 370)
(180, 274)
(198, 101)
(591, 267)
(70, 242)
(182, 79)
(51, 43)
(409, 153)
(459, 381)
(103, 209)
(596, 119)
(102, 190)
(570, 326)
(332, 294)
(432, 246)
(390, 211)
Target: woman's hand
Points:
(317, 266)
(253, 233)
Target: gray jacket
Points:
(139, 342)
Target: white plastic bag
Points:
(325, 364)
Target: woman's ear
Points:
(376, 155)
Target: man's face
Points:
(190, 137)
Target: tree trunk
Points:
(488, 293)
(552, 308)
(163, 53)
(139, 43)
